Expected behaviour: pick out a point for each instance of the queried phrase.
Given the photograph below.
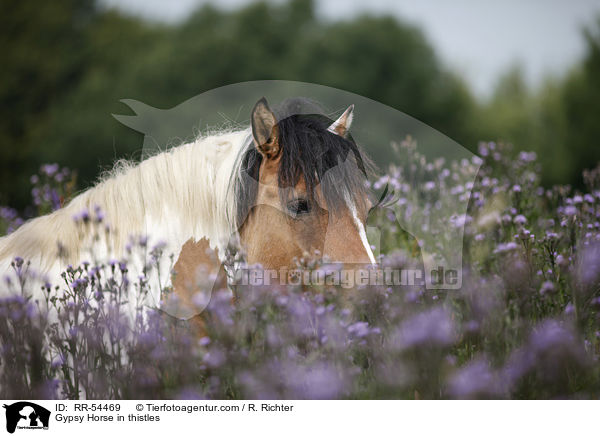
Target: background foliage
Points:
(66, 65)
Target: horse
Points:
(289, 184)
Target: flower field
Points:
(524, 325)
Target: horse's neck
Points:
(185, 193)
(169, 198)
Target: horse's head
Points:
(302, 189)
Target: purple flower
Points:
(429, 186)
(49, 169)
(520, 219)
(433, 327)
(79, 284)
(58, 361)
(99, 214)
(460, 220)
(82, 216)
(527, 157)
(483, 149)
(569, 309)
(552, 350)
(55, 200)
(214, 358)
(190, 394)
(588, 265)
(359, 329)
(476, 380)
(509, 246)
(547, 288)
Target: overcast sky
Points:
(479, 39)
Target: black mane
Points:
(310, 151)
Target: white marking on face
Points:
(361, 232)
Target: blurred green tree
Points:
(66, 65)
(582, 108)
(44, 50)
(101, 56)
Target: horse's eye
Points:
(298, 206)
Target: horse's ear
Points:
(343, 123)
(264, 129)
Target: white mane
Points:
(172, 196)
